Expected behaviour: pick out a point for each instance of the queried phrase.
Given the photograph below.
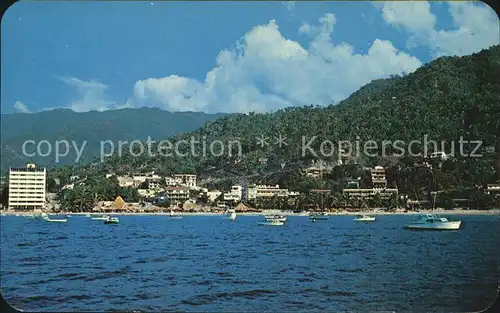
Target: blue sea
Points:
(207, 263)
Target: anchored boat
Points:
(54, 220)
(112, 220)
(174, 216)
(279, 218)
(232, 215)
(364, 218)
(100, 218)
(433, 222)
(271, 223)
(318, 216)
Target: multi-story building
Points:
(370, 193)
(186, 179)
(235, 194)
(27, 187)
(378, 177)
(177, 194)
(153, 184)
(265, 191)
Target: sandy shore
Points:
(271, 212)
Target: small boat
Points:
(174, 216)
(364, 218)
(87, 215)
(232, 215)
(433, 222)
(54, 220)
(30, 216)
(279, 218)
(271, 223)
(100, 218)
(68, 215)
(318, 216)
(112, 220)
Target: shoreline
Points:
(272, 212)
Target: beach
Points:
(277, 212)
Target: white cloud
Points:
(476, 26)
(266, 71)
(91, 95)
(414, 15)
(21, 107)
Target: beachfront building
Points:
(265, 191)
(235, 194)
(27, 187)
(379, 180)
(177, 193)
(370, 193)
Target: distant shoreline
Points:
(270, 212)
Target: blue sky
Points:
(222, 56)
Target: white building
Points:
(378, 177)
(27, 187)
(153, 184)
(182, 179)
(265, 191)
(177, 194)
(235, 194)
(186, 179)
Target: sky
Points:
(222, 56)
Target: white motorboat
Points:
(433, 222)
(112, 220)
(364, 218)
(279, 218)
(318, 216)
(232, 215)
(272, 223)
(54, 220)
(174, 216)
(100, 218)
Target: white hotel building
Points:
(27, 187)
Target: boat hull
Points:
(176, 217)
(56, 221)
(271, 223)
(365, 220)
(319, 218)
(455, 225)
(277, 219)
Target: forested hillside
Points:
(93, 127)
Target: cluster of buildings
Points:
(379, 186)
(27, 187)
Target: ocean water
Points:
(207, 263)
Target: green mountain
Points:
(445, 99)
(92, 127)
